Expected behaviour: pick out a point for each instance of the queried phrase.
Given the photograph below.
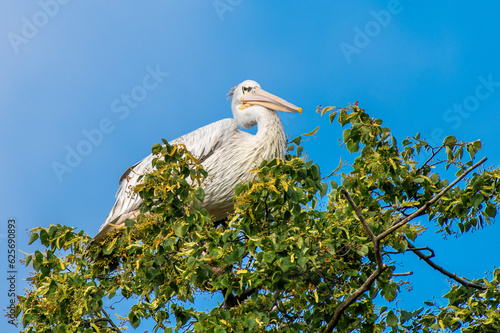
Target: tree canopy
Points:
(303, 251)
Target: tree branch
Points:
(415, 248)
(113, 326)
(381, 267)
(434, 153)
(429, 203)
(443, 271)
(351, 299)
(376, 249)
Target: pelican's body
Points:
(226, 153)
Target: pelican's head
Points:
(247, 98)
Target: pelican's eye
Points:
(246, 89)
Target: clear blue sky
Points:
(67, 66)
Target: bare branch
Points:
(402, 274)
(443, 271)
(429, 203)
(416, 248)
(431, 255)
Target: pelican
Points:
(225, 152)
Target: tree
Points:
(291, 258)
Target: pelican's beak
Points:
(261, 97)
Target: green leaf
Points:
(269, 256)
(324, 188)
(352, 146)
(373, 292)
(362, 251)
(134, 319)
(434, 326)
(129, 222)
(199, 194)
(346, 134)
(156, 148)
(449, 141)
(394, 141)
(404, 316)
(490, 210)
(181, 229)
(297, 140)
(332, 116)
(391, 319)
(477, 199)
(473, 147)
(389, 292)
(44, 237)
(299, 150)
(34, 237)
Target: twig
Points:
(431, 255)
(402, 274)
(426, 205)
(430, 158)
(113, 326)
(443, 271)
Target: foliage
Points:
(288, 258)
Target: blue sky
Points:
(67, 66)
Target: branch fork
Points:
(381, 267)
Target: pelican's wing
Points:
(201, 143)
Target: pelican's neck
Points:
(270, 133)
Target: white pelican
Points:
(226, 153)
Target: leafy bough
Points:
(299, 254)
